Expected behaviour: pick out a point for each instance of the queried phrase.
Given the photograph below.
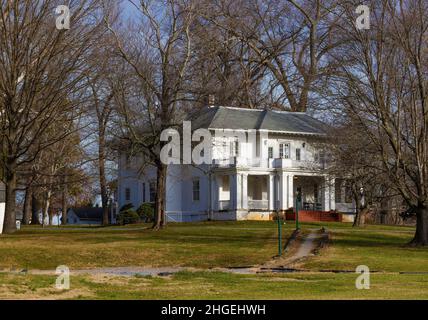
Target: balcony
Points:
(241, 162)
(258, 204)
(267, 163)
(289, 163)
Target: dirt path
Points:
(307, 247)
(303, 246)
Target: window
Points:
(284, 150)
(338, 190)
(234, 148)
(144, 192)
(270, 152)
(348, 193)
(127, 194)
(196, 190)
(298, 154)
(152, 187)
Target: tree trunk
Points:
(359, 212)
(160, 219)
(9, 225)
(35, 209)
(27, 206)
(64, 202)
(421, 234)
(103, 180)
(46, 208)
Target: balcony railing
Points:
(258, 204)
(267, 163)
(312, 206)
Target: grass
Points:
(213, 244)
(218, 285)
(381, 248)
(201, 245)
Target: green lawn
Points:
(381, 248)
(217, 285)
(202, 245)
(213, 244)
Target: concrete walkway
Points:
(307, 247)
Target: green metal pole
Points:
(297, 213)
(279, 235)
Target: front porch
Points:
(247, 195)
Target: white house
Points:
(2, 204)
(247, 179)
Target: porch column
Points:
(327, 194)
(244, 191)
(282, 188)
(271, 191)
(332, 194)
(290, 191)
(214, 193)
(235, 191)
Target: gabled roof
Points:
(240, 118)
(88, 213)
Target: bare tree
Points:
(158, 51)
(40, 77)
(289, 38)
(384, 76)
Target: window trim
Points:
(270, 152)
(282, 150)
(298, 152)
(234, 147)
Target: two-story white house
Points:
(247, 179)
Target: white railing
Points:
(289, 163)
(268, 163)
(223, 205)
(258, 204)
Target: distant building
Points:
(85, 215)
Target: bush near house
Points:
(146, 212)
(126, 207)
(128, 215)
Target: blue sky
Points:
(128, 9)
